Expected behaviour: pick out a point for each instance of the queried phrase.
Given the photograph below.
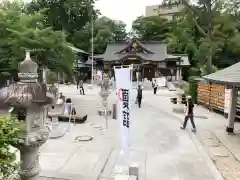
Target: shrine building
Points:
(150, 59)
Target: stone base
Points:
(102, 113)
(178, 108)
(134, 170)
(229, 130)
(90, 86)
(57, 132)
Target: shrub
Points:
(51, 77)
(186, 88)
(194, 71)
(9, 136)
(193, 88)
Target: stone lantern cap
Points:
(28, 90)
(28, 69)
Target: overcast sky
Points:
(125, 10)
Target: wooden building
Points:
(150, 59)
(229, 79)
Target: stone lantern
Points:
(104, 93)
(29, 99)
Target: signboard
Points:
(227, 98)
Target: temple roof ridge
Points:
(142, 42)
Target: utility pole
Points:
(92, 49)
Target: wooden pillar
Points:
(232, 110)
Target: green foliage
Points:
(9, 136)
(186, 88)
(105, 30)
(194, 71)
(193, 88)
(68, 15)
(51, 77)
(151, 28)
(190, 33)
(20, 31)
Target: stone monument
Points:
(28, 99)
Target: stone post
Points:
(232, 111)
(29, 98)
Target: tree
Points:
(66, 15)
(70, 16)
(208, 8)
(188, 34)
(152, 28)
(107, 30)
(22, 31)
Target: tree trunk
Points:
(209, 64)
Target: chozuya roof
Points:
(230, 75)
(154, 51)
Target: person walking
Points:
(77, 83)
(155, 86)
(139, 96)
(189, 114)
(81, 88)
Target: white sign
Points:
(123, 85)
(227, 98)
(161, 82)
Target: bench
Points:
(74, 118)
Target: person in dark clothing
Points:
(139, 96)
(189, 114)
(155, 86)
(81, 88)
(77, 83)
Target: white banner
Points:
(123, 86)
(227, 98)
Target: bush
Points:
(51, 77)
(194, 71)
(9, 136)
(193, 88)
(186, 88)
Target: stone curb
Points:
(61, 176)
(213, 169)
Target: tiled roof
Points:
(184, 59)
(159, 52)
(230, 75)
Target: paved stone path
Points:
(158, 146)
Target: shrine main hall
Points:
(150, 59)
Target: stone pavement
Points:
(158, 146)
(223, 149)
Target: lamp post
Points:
(92, 26)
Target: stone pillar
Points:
(179, 73)
(232, 110)
(30, 167)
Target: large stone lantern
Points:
(28, 99)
